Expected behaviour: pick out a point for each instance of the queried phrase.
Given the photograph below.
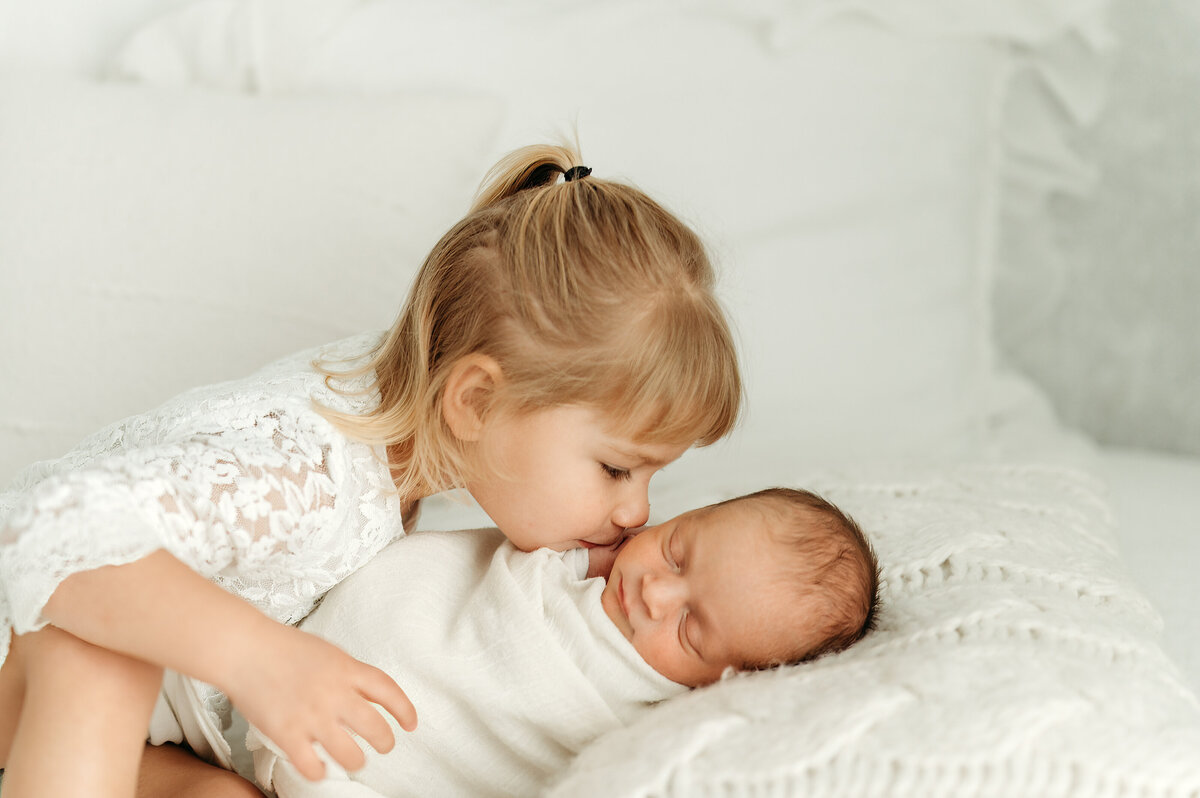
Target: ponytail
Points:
(529, 167)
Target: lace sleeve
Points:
(270, 513)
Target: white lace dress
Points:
(243, 481)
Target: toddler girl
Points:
(560, 345)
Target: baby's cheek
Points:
(659, 653)
(612, 608)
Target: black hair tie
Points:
(576, 172)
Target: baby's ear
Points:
(469, 390)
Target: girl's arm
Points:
(295, 687)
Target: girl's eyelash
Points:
(614, 472)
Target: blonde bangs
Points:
(681, 380)
(668, 375)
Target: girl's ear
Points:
(473, 380)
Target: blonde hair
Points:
(584, 292)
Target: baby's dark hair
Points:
(834, 568)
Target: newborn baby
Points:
(516, 661)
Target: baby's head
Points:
(776, 577)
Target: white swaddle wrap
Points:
(508, 657)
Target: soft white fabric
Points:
(843, 158)
(183, 714)
(1013, 658)
(242, 481)
(509, 658)
(152, 241)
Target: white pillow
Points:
(842, 159)
(152, 240)
(1013, 658)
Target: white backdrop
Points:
(1110, 330)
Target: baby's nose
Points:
(662, 593)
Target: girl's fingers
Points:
(380, 688)
(304, 758)
(367, 721)
(341, 746)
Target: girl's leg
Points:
(169, 771)
(12, 695)
(84, 718)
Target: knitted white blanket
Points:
(509, 658)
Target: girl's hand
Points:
(298, 689)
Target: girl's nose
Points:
(634, 511)
(662, 593)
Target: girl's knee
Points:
(58, 660)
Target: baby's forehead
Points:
(762, 540)
(782, 619)
(771, 519)
(786, 548)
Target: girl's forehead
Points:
(660, 424)
(635, 447)
(655, 455)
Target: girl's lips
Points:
(621, 597)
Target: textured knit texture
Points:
(242, 481)
(1013, 657)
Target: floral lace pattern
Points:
(243, 481)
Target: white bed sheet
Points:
(1156, 498)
